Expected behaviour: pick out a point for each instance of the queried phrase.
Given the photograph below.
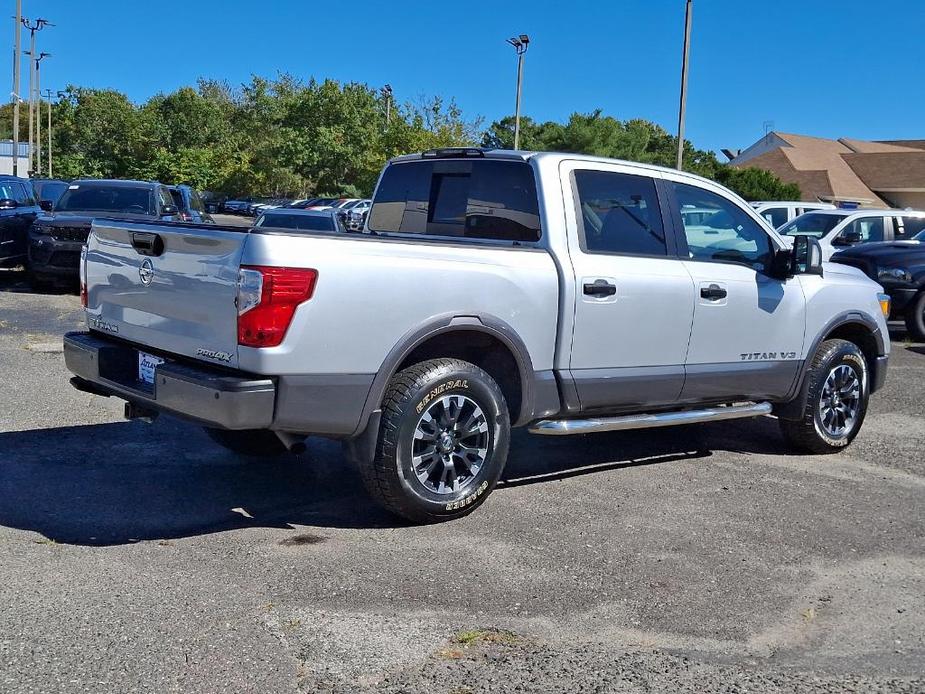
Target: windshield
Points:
(811, 224)
(96, 198)
(300, 222)
(920, 236)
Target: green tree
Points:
(753, 183)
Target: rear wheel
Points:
(915, 318)
(836, 400)
(443, 441)
(252, 442)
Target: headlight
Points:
(894, 274)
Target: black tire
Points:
(250, 442)
(39, 282)
(915, 318)
(412, 396)
(813, 431)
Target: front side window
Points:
(865, 228)
(728, 234)
(776, 216)
(460, 198)
(619, 213)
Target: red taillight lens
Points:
(263, 321)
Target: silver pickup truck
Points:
(488, 290)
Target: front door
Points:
(633, 297)
(748, 329)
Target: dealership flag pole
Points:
(684, 59)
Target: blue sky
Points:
(831, 68)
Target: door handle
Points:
(714, 292)
(600, 288)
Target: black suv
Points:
(56, 238)
(18, 209)
(900, 267)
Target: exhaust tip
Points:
(293, 442)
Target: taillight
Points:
(83, 276)
(267, 300)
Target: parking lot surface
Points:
(142, 557)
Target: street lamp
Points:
(38, 112)
(38, 26)
(520, 44)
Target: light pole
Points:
(17, 60)
(684, 58)
(38, 26)
(48, 94)
(38, 112)
(387, 93)
(520, 44)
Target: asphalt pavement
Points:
(141, 557)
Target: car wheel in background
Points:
(915, 318)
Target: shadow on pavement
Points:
(124, 482)
(16, 281)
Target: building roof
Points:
(845, 169)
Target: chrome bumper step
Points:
(565, 427)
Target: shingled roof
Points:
(843, 169)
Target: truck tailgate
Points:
(169, 287)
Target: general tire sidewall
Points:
(916, 317)
(852, 357)
(489, 398)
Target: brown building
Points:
(872, 174)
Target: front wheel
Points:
(443, 441)
(836, 400)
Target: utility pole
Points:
(33, 64)
(17, 61)
(48, 99)
(684, 59)
(520, 44)
(38, 113)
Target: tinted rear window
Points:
(300, 222)
(470, 199)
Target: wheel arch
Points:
(435, 338)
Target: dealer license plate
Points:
(146, 364)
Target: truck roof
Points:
(525, 155)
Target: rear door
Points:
(634, 298)
(748, 327)
(171, 288)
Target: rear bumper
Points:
(207, 396)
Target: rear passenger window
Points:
(470, 199)
(907, 227)
(867, 228)
(619, 213)
(776, 216)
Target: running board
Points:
(564, 427)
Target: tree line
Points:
(285, 137)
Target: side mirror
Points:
(806, 256)
(8, 204)
(46, 205)
(168, 210)
(848, 238)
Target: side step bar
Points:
(564, 427)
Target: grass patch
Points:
(476, 636)
(45, 541)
